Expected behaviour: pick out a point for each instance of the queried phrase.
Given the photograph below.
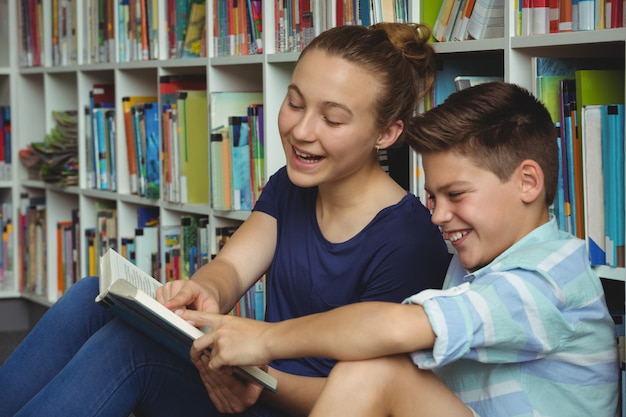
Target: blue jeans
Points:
(81, 361)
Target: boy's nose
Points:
(440, 215)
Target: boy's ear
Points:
(390, 135)
(531, 180)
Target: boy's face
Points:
(480, 215)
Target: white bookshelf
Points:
(34, 92)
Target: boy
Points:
(521, 327)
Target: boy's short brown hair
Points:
(497, 125)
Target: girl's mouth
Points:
(307, 158)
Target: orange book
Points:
(565, 13)
(145, 48)
(62, 266)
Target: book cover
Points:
(127, 103)
(220, 199)
(591, 127)
(195, 26)
(540, 16)
(240, 154)
(189, 245)
(599, 86)
(146, 248)
(137, 118)
(193, 150)
(487, 20)
(613, 160)
(153, 157)
(130, 293)
(451, 67)
(442, 19)
(257, 149)
(170, 247)
(462, 82)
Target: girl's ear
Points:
(531, 180)
(390, 135)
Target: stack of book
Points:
(585, 98)
(459, 20)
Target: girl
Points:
(330, 228)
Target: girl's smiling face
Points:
(479, 214)
(327, 120)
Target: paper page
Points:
(119, 267)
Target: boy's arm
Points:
(356, 331)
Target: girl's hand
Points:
(181, 294)
(228, 393)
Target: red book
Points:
(554, 15)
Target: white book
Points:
(130, 293)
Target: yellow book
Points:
(193, 160)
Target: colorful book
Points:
(127, 103)
(195, 26)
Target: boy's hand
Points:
(231, 341)
(177, 295)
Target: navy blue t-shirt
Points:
(396, 255)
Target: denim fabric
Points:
(81, 361)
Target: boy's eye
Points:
(453, 195)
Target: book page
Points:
(115, 266)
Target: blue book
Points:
(153, 158)
(613, 151)
(450, 68)
(7, 135)
(101, 96)
(100, 150)
(364, 9)
(559, 204)
(111, 149)
(137, 119)
(240, 151)
(570, 185)
(259, 302)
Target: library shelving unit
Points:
(35, 92)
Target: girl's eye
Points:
(293, 105)
(332, 123)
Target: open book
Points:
(130, 293)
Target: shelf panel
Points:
(616, 274)
(470, 46)
(569, 38)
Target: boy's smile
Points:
(480, 215)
